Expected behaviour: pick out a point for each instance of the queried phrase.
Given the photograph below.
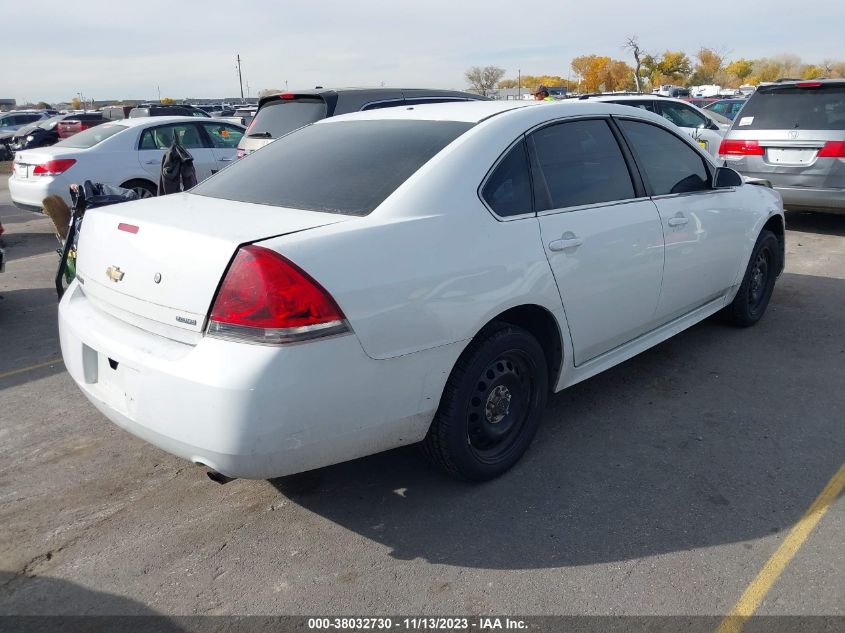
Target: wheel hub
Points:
(498, 404)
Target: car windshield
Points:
(347, 167)
(92, 136)
(820, 107)
(277, 118)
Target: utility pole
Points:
(519, 83)
(159, 93)
(240, 79)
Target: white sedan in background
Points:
(125, 153)
(705, 128)
(423, 274)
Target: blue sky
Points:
(114, 50)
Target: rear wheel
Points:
(491, 406)
(142, 188)
(754, 293)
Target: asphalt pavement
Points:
(660, 487)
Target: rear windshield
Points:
(821, 108)
(347, 167)
(92, 136)
(277, 118)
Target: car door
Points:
(704, 228)
(156, 140)
(602, 235)
(694, 123)
(224, 139)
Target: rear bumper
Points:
(249, 411)
(29, 193)
(805, 199)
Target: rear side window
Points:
(162, 137)
(277, 118)
(508, 190)
(669, 164)
(347, 167)
(92, 136)
(579, 163)
(792, 108)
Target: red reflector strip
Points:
(129, 228)
(287, 95)
(809, 84)
(833, 149)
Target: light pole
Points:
(240, 79)
(519, 84)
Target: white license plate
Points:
(790, 156)
(21, 170)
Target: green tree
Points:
(168, 101)
(42, 105)
(75, 104)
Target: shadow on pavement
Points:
(29, 333)
(707, 439)
(24, 596)
(815, 222)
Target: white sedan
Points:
(125, 153)
(423, 274)
(705, 128)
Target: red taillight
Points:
(129, 228)
(53, 167)
(739, 147)
(241, 152)
(809, 84)
(266, 298)
(833, 149)
(287, 95)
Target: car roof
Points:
(794, 82)
(478, 111)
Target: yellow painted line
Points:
(757, 590)
(15, 372)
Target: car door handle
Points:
(564, 243)
(152, 162)
(227, 160)
(676, 221)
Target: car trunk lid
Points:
(157, 263)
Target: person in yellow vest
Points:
(542, 94)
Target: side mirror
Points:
(726, 178)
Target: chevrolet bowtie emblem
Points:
(114, 273)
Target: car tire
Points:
(757, 285)
(144, 188)
(491, 406)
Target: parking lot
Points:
(660, 487)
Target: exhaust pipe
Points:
(220, 478)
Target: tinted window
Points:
(277, 118)
(162, 137)
(669, 164)
(682, 115)
(579, 163)
(508, 190)
(92, 136)
(347, 167)
(821, 108)
(223, 136)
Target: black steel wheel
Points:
(757, 286)
(491, 406)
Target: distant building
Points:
(7, 104)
